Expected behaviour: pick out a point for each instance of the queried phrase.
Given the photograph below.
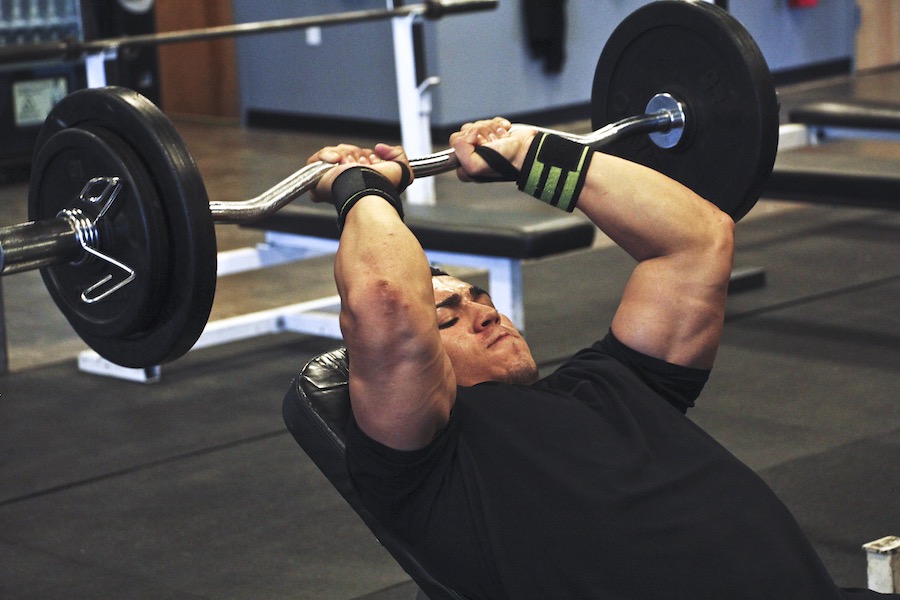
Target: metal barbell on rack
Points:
(72, 48)
(123, 231)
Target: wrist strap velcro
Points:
(358, 182)
(554, 170)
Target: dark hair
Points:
(435, 272)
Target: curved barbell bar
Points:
(669, 118)
(53, 241)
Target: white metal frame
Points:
(798, 135)
(317, 317)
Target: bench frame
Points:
(315, 317)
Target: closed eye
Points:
(476, 293)
(449, 323)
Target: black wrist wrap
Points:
(554, 170)
(357, 183)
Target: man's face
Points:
(482, 344)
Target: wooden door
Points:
(878, 39)
(197, 78)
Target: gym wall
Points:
(482, 59)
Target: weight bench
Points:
(490, 231)
(838, 155)
(316, 410)
(857, 119)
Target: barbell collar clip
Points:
(85, 231)
(435, 9)
(101, 191)
(88, 296)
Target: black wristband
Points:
(358, 182)
(405, 177)
(554, 170)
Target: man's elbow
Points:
(377, 312)
(722, 231)
(719, 242)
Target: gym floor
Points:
(192, 487)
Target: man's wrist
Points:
(519, 159)
(357, 183)
(554, 170)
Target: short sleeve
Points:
(388, 480)
(678, 385)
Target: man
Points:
(590, 482)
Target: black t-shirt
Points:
(591, 483)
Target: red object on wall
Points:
(802, 3)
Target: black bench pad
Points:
(857, 114)
(518, 228)
(316, 410)
(864, 173)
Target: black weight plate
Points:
(707, 60)
(185, 299)
(132, 231)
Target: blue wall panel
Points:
(482, 58)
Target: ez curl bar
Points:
(667, 118)
(72, 232)
(123, 232)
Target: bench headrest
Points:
(316, 410)
(322, 387)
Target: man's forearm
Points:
(382, 276)
(646, 213)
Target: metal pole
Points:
(73, 48)
(413, 104)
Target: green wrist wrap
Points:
(554, 170)
(354, 184)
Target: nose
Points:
(485, 317)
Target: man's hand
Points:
(390, 161)
(511, 144)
